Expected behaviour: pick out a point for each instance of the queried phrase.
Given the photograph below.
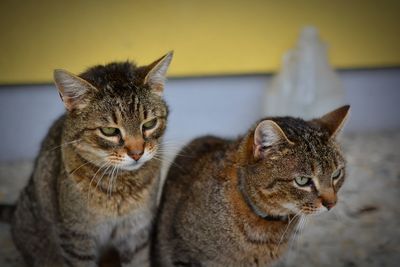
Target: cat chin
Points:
(132, 166)
(316, 211)
(290, 208)
(320, 210)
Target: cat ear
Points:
(335, 120)
(268, 134)
(72, 89)
(156, 76)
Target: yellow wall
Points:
(209, 37)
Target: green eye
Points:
(336, 174)
(150, 124)
(303, 181)
(109, 131)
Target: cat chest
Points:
(112, 231)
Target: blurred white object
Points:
(307, 86)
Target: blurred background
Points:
(232, 59)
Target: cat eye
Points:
(109, 131)
(336, 174)
(150, 124)
(303, 181)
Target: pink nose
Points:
(135, 154)
(328, 204)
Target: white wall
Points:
(224, 106)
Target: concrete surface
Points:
(362, 230)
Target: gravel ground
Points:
(362, 230)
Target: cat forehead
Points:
(317, 159)
(299, 130)
(124, 90)
(115, 76)
(130, 105)
(312, 146)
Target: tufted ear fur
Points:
(72, 89)
(334, 120)
(267, 134)
(156, 76)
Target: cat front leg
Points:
(78, 249)
(139, 256)
(133, 247)
(73, 256)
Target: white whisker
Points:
(112, 178)
(87, 162)
(64, 144)
(296, 235)
(94, 176)
(104, 172)
(110, 175)
(164, 160)
(173, 142)
(287, 227)
(174, 153)
(115, 177)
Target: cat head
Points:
(115, 113)
(296, 166)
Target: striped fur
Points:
(236, 203)
(87, 195)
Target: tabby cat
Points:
(237, 203)
(95, 181)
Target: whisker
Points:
(64, 144)
(173, 142)
(162, 160)
(115, 177)
(287, 227)
(87, 162)
(104, 172)
(174, 147)
(296, 236)
(110, 180)
(94, 176)
(170, 147)
(173, 153)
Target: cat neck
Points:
(243, 157)
(253, 206)
(256, 226)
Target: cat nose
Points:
(135, 154)
(135, 147)
(328, 198)
(329, 204)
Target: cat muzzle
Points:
(135, 154)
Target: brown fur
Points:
(236, 203)
(92, 197)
